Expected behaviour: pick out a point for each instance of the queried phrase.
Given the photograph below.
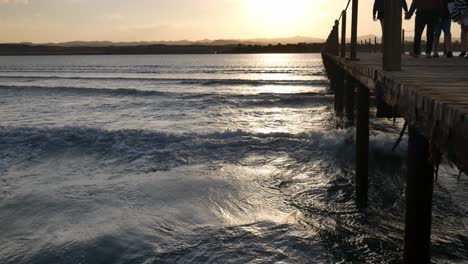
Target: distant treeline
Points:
(26, 49)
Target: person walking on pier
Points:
(428, 13)
(464, 38)
(378, 11)
(459, 12)
(444, 24)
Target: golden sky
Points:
(149, 20)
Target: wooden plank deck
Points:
(431, 94)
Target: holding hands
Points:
(408, 15)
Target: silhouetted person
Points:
(379, 11)
(443, 24)
(459, 13)
(428, 13)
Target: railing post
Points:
(336, 39)
(403, 41)
(343, 34)
(392, 36)
(375, 44)
(354, 26)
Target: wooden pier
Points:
(430, 94)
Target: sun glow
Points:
(277, 17)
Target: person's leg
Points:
(431, 20)
(447, 28)
(437, 33)
(464, 35)
(436, 43)
(448, 44)
(418, 30)
(465, 39)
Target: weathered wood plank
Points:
(432, 94)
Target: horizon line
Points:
(206, 40)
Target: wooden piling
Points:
(354, 28)
(339, 91)
(419, 189)
(362, 146)
(392, 36)
(343, 34)
(332, 77)
(349, 99)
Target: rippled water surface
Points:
(197, 159)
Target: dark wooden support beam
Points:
(335, 39)
(362, 146)
(419, 189)
(332, 76)
(339, 91)
(392, 36)
(354, 27)
(349, 99)
(343, 34)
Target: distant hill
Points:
(112, 49)
(297, 44)
(208, 42)
(217, 42)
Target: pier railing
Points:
(392, 40)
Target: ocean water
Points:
(198, 159)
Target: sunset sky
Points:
(149, 20)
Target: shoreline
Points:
(47, 50)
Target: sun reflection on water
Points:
(288, 108)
